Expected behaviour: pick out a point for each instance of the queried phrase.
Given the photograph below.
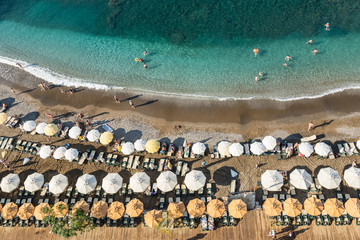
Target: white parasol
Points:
(10, 182)
(58, 184)
(112, 183)
(301, 179)
(139, 182)
(257, 148)
(29, 126)
(322, 149)
(140, 145)
(166, 181)
(40, 128)
(75, 132)
(93, 135)
(223, 148)
(86, 183)
(269, 142)
(59, 152)
(128, 148)
(198, 148)
(306, 149)
(352, 177)
(272, 180)
(236, 149)
(45, 151)
(71, 154)
(329, 178)
(195, 180)
(34, 182)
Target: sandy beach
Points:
(336, 117)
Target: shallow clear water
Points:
(196, 47)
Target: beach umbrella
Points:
(176, 209)
(166, 181)
(306, 149)
(358, 144)
(140, 145)
(26, 211)
(313, 206)
(40, 128)
(3, 117)
(34, 182)
(134, 208)
(329, 178)
(26, 160)
(106, 138)
(292, 207)
(10, 182)
(139, 182)
(322, 149)
(112, 183)
(60, 209)
(71, 154)
(352, 207)
(196, 207)
(75, 132)
(58, 184)
(352, 177)
(215, 208)
(272, 207)
(269, 142)
(153, 218)
(29, 125)
(81, 205)
(223, 148)
(59, 152)
(272, 180)
(237, 208)
(93, 135)
(236, 149)
(301, 179)
(86, 183)
(116, 210)
(128, 148)
(334, 207)
(99, 209)
(198, 148)
(152, 146)
(38, 212)
(9, 211)
(195, 180)
(51, 129)
(257, 148)
(45, 151)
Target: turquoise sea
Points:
(196, 48)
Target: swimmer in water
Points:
(285, 64)
(315, 51)
(255, 51)
(145, 53)
(309, 42)
(327, 27)
(256, 79)
(261, 74)
(140, 59)
(288, 58)
(145, 66)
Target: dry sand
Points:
(174, 119)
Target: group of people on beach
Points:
(145, 53)
(288, 58)
(130, 102)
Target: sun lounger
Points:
(192, 223)
(124, 163)
(232, 186)
(339, 196)
(347, 197)
(341, 150)
(201, 191)
(185, 219)
(191, 192)
(209, 189)
(136, 163)
(169, 153)
(204, 223)
(9, 144)
(178, 167)
(2, 139)
(114, 161)
(64, 132)
(317, 184)
(83, 158)
(186, 152)
(180, 152)
(4, 143)
(177, 190)
(308, 139)
(123, 189)
(162, 203)
(184, 169)
(108, 159)
(353, 148)
(130, 162)
(247, 149)
(100, 157)
(91, 156)
(322, 198)
(347, 149)
(345, 218)
(146, 163)
(292, 190)
(153, 165)
(183, 190)
(225, 219)
(161, 165)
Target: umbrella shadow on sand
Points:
(5, 173)
(73, 175)
(206, 172)
(99, 175)
(49, 174)
(23, 175)
(222, 176)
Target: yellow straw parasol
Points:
(196, 207)
(99, 209)
(152, 146)
(9, 211)
(134, 208)
(153, 218)
(237, 208)
(26, 211)
(313, 206)
(176, 210)
(272, 207)
(353, 207)
(116, 210)
(3, 117)
(82, 205)
(38, 213)
(215, 208)
(60, 209)
(51, 129)
(292, 207)
(106, 138)
(334, 207)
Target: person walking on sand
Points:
(288, 58)
(309, 42)
(116, 99)
(62, 91)
(13, 91)
(50, 116)
(81, 116)
(315, 51)
(132, 104)
(353, 164)
(203, 163)
(72, 91)
(311, 126)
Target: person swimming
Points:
(256, 51)
(145, 53)
(309, 42)
(288, 58)
(315, 51)
(327, 27)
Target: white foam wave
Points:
(63, 80)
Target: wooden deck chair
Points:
(178, 167)
(233, 186)
(130, 162)
(161, 165)
(124, 163)
(136, 163)
(146, 163)
(185, 168)
(152, 164)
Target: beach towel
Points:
(107, 128)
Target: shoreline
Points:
(235, 119)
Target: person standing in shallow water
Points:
(132, 104)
